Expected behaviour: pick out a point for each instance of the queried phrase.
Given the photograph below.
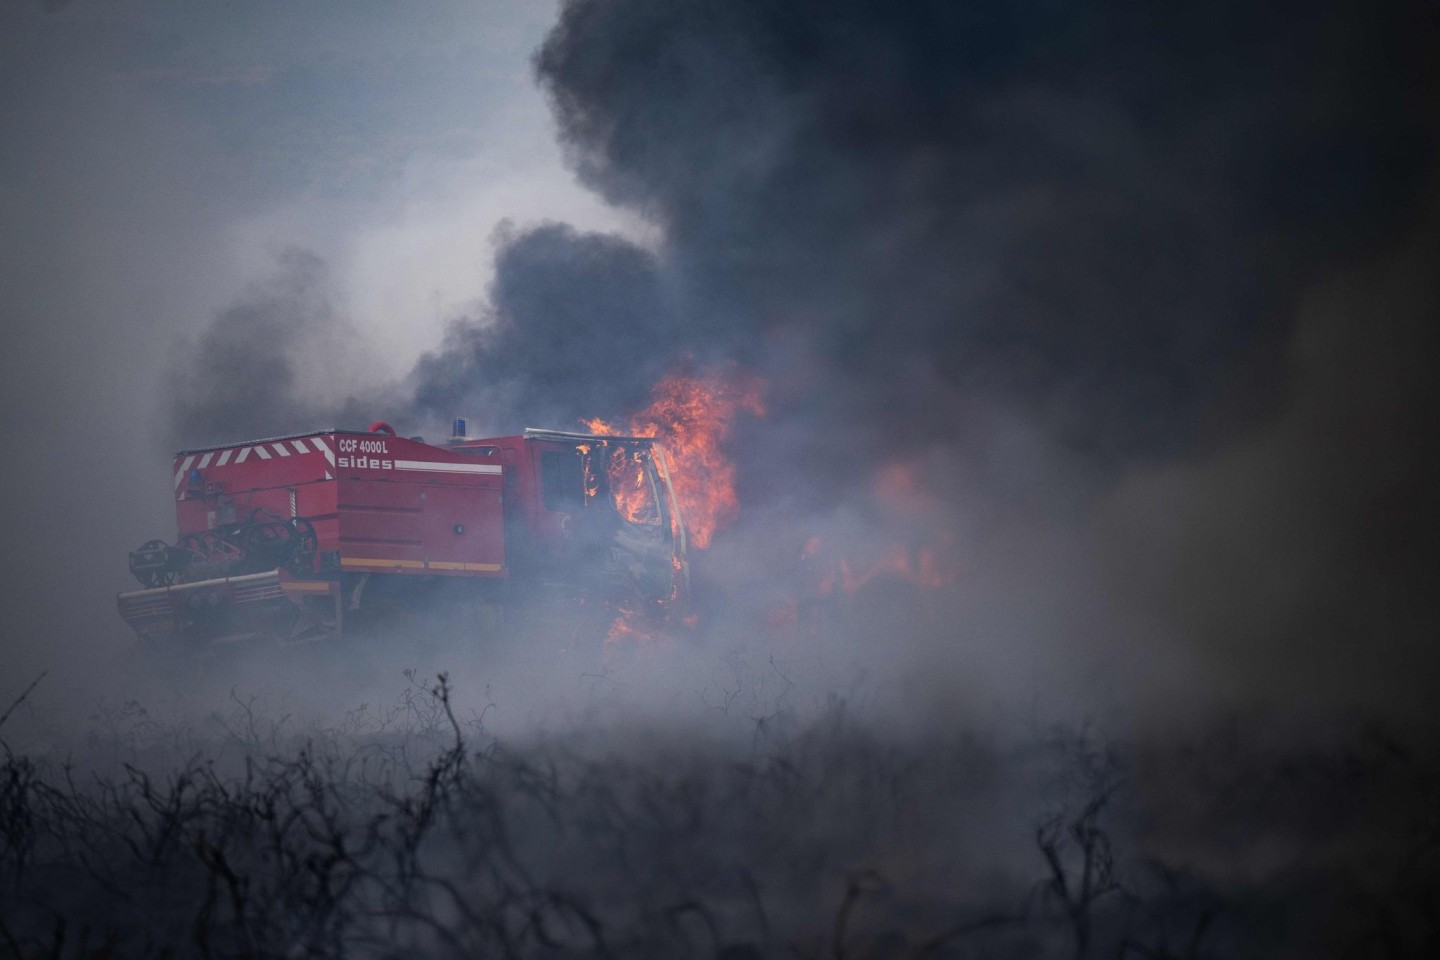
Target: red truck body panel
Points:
(378, 503)
(293, 536)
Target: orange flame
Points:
(623, 627)
(631, 627)
(829, 568)
(918, 549)
(630, 486)
(692, 416)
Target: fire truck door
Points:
(463, 528)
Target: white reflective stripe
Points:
(447, 467)
(225, 457)
(299, 446)
(180, 474)
(243, 454)
(324, 443)
(260, 452)
(280, 449)
(205, 460)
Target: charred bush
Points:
(407, 832)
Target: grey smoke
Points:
(272, 363)
(578, 324)
(1101, 214)
(1073, 264)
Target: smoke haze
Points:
(1086, 273)
(1097, 349)
(1104, 217)
(577, 324)
(1105, 325)
(1112, 315)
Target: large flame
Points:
(630, 486)
(692, 416)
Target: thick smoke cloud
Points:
(1101, 213)
(1072, 265)
(1112, 308)
(1299, 557)
(577, 325)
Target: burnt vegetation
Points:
(411, 831)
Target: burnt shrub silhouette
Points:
(407, 832)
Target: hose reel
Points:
(261, 542)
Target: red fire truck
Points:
(295, 538)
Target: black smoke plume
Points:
(577, 325)
(1102, 214)
(1134, 286)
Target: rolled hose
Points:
(261, 542)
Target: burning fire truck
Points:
(294, 538)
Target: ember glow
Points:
(631, 626)
(919, 546)
(832, 566)
(692, 416)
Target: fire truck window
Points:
(562, 480)
(628, 473)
